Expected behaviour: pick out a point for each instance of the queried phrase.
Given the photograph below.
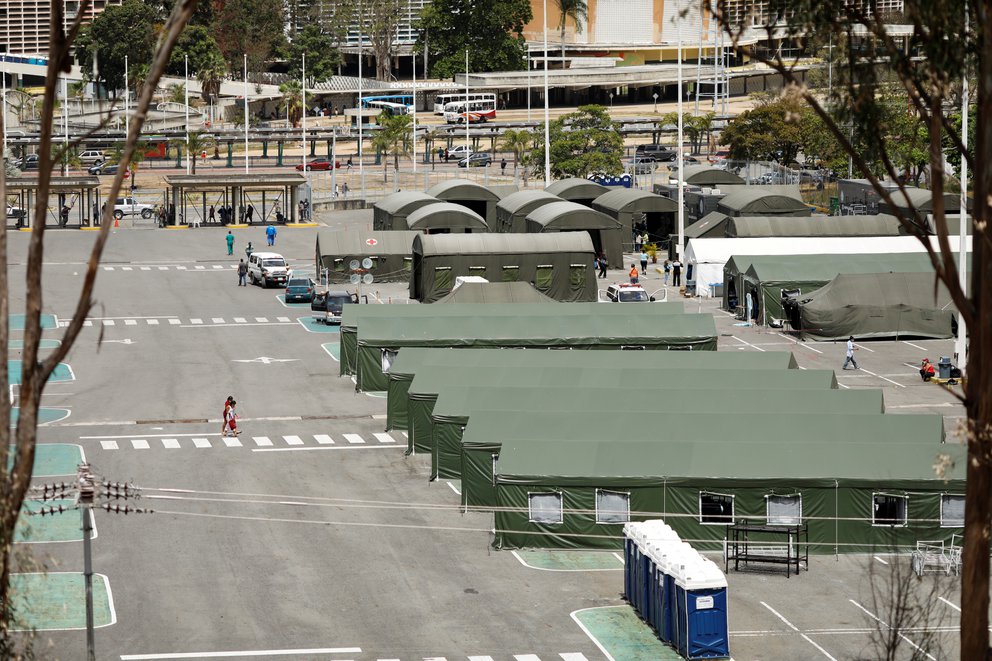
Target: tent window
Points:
(511, 273)
(388, 356)
(716, 509)
(407, 263)
(680, 347)
(951, 511)
(784, 510)
(612, 506)
(577, 276)
(477, 270)
(544, 507)
(442, 279)
(632, 347)
(889, 510)
(339, 265)
(545, 275)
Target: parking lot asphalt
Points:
(312, 536)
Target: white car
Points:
(15, 213)
(265, 268)
(459, 152)
(91, 157)
(128, 206)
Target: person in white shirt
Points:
(850, 354)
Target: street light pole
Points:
(127, 102)
(547, 112)
(246, 113)
(186, 90)
(468, 141)
(961, 341)
(680, 254)
(303, 103)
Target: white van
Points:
(265, 268)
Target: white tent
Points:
(705, 258)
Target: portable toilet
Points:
(672, 559)
(636, 563)
(658, 551)
(701, 610)
(632, 532)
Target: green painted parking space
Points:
(42, 344)
(48, 322)
(570, 560)
(282, 299)
(63, 527)
(57, 601)
(623, 635)
(318, 327)
(62, 372)
(333, 350)
(53, 459)
(45, 415)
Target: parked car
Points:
(320, 164)
(627, 293)
(475, 160)
(721, 155)
(327, 306)
(16, 213)
(643, 165)
(128, 206)
(91, 157)
(107, 169)
(461, 151)
(300, 290)
(658, 152)
(29, 162)
(265, 268)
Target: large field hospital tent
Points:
(919, 205)
(512, 210)
(415, 360)
(469, 194)
(706, 257)
(426, 386)
(875, 305)
(557, 264)
(860, 482)
(839, 226)
(578, 190)
(379, 340)
(755, 201)
(390, 212)
(496, 292)
(389, 252)
(630, 206)
(770, 278)
(445, 218)
(562, 216)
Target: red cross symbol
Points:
(371, 242)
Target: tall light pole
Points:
(127, 102)
(468, 141)
(303, 102)
(361, 116)
(3, 101)
(528, 82)
(547, 112)
(680, 254)
(413, 61)
(186, 90)
(246, 113)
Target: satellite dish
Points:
(353, 264)
(367, 263)
(355, 278)
(367, 278)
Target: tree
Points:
(18, 442)
(292, 101)
(322, 56)
(248, 27)
(518, 142)
(929, 65)
(582, 143)
(198, 45)
(176, 93)
(198, 143)
(696, 128)
(490, 30)
(393, 137)
(122, 30)
(578, 11)
(769, 132)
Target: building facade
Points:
(24, 24)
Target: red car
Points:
(320, 164)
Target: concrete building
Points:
(24, 23)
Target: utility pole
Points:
(89, 491)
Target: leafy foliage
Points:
(322, 56)
(292, 100)
(394, 136)
(491, 31)
(769, 132)
(248, 27)
(120, 30)
(582, 143)
(197, 43)
(518, 141)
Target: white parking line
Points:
(201, 442)
(218, 266)
(802, 344)
(174, 322)
(951, 604)
(323, 439)
(164, 268)
(239, 320)
(293, 440)
(170, 443)
(262, 441)
(180, 268)
(196, 321)
(284, 320)
(231, 441)
(875, 617)
(354, 438)
(152, 322)
(526, 657)
(384, 438)
(126, 268)
(262, 320)
(796, 629)
(883, 378)
(146, 268)
(200, 268)
(915, 346)
(454, 488)
(747, 343)
(217, 320)
(139, 444)
(861, 346)
(109, 322)
(241, 654)
(130, 322)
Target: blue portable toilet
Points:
(629, 559)
(701, 610)
(659, 549)
(637, 567)
(674, 557)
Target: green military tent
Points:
(379, 340)
(496, 292)
(563, 216)
(469, 194)
(631, 205)
(755, 201)
(416, 360)
(578, 190)
(389, 252)
(444, 218)
(762, 226)
(558, 264)
(876, 305)
(919, 205)
(390, 212)
(512, 210)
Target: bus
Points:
(401, 99)
(391, 109)
(443, 100)
(477, 112)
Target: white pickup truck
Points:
(128, 206)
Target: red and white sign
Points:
(371, 242)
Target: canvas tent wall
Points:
(832, 226)
(754, 201)
(559, 265)
(445, 218)
(919, 205)
(630, 206)
(389, 251)
(415, 360)
(876, 305)
(512, 210)
(390, 212)
(563, 216)
(577, 190)
(469, 194)
(496, 292)
(380, 339)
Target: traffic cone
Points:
(116, 222)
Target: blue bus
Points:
(402, 99)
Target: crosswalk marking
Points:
(108, 268)
(293, 440)
(526, 657)
(218, 320)
(108, 322)
(196, 321)
(323, 439)
(384, 438)
(296, 441)
(239, 320)
(262, 441)
(126, 268)
(261, 320)
(180, 268)
(200, 268)
(170, 443)
(174, 322)
(130, 322)
(480, 658)
(218, 266)
(87, 323)
(231, 441)
(354, 438)
(573, 656)
(109, 445)
(146, 268)
(139, 444)
(284, 320)
(152, 322)
(201, 442)
(163, 268)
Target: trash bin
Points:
(944, 367)
(701, 610)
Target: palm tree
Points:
(696, 128)
(140, 149)
(292, 100)
(210, 77)
(518, 142)
(578, 11)
(393, 137)
(431, 138)
(176, 93)
(198, 142)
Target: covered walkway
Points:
(251, 198)
(78, 196)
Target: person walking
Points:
(348, 163)
(633, 274)
(242, 274)
(344, 188)
(645, 239)
(637, 242)
(502, 166)
(850, 354)
(212, 217)
(644, 261)
(270, 235)
(232, 420)
(230, 243)
(667, 268)
(223, 420)
(250, 213)
(677, 273)
(603, 265)
(249, 249)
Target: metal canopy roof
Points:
(260, 180)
